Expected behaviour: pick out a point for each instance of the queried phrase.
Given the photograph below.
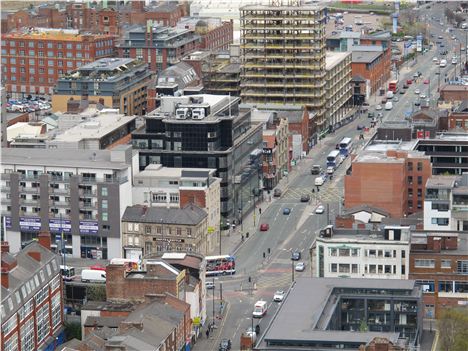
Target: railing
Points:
(93, 180)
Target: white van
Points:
(388, 105)
(260, 309)
(443, 63)
(389, 94)
(319, 181)
(92, 276)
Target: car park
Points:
(277, 192)
(320, 209)
(279, 296)
(295, 256)
(300, 267)
(305, 198)
(286, 211)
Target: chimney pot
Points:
(5, 246)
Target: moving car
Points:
(316, 169)
(318, 181)
(330, 170)
(225, 345)
(388, 105)
(209, 284)
(277, 192)
(417, 103)
(402, 91)
(286, 211)
(359, 127)
(426, 81)
(296, 256)
(417, 91)
(252, 334)
(320, 209)
(409, 81)
(279, 296)
(370, 115)
(300, 267)
(422, 96)
(378, 107)
(395, 99)
(264, 227)
(260, 309)
(305, 198)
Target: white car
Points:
(378, 107)
(252, 334)
(422, 96)
(330, 170)
(300, 267)
(435, 59)
(417, 91)
(279, 296)
(320, 209)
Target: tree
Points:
(96, 292)
(363, 326)
(72, 330)
(453, 330)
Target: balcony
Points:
(90, 205)
(29, 190)
(5, 201)
(29, 177)
(29, 202)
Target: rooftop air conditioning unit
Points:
(198, 113)
(182, 113)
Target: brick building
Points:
(34, 59)
(32, 297)
(372, 66)
(458, 118)
(215, 34)
(299, 124)
(44, 16)
(454, 93)
(275, 153)
(439, 263)
(393, 180)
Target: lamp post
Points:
(213, 321)
(292, 270)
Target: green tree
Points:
(453, 330)
(72, 330)
(363, 326)
(96, 292)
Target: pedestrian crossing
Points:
(330, 193)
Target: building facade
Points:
(439, 263)
(177, 187)
(215, 34)
(275, 153)
(348, 253)
(81, 195)
(446, 203)
(113, 82)
(147, 230)
(283, 57)
(33, 59)
(207, 131)
(392, 180)
(32, 298)
(159, 47)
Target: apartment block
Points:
(207, 131)
(283, 57)
(32, 297)
(158, 46)
(118, 83)
(338, 88)
(215, 34)
(275, 153)
(33, 59)
(439, 264)
(446, 203)
(160, 186)
(42, 16)
(388, 178)
(81, 195)
(361, 253)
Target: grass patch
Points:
(362, 7)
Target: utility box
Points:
(245, 342)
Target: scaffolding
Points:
(283, 56)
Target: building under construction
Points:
(283, 56)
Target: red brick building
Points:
(299, 122)
(33, 59)
(32, 297)
(393, 181)
(372, 66)
(439, 262)
(47, 17)
(215, 34)
(454, 93)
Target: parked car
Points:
(422, 96)
(295, 256)
(209, 284)
(252, 334)
(417, 92)
(330, 170)
(277, 192)
(316, 169)
(378, 107)
(279, 296)
(320, 209)
(395, 99)
(360, 127)
(286, 211)
(305, 198)
(264, 227)
(409, 81)
(225, 345)
(300, 267)
(402, 91)
(370, 115)
(426, 81)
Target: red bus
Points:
(393, 85)
(222, 264)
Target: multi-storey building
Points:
(207, 131)
(177, 187)
(42, 16)
(119, 83)
(338, 88)
(80, 194)
(390, 179)
(159, 229)
(32, 298)
(283, 57)
(275, 153)
(446, 203)
(158, 46)
(439, 263)
(361, 253)
(214, 33)
(33, 59)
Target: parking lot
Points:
(27, 105)
(372, 22)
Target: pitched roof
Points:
(189, 215)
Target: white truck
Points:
(93, 276)
(260, 309)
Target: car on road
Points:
(264, 227)
(330, 170)
(295, 256)
(300, 267)
(415, 75)
(286, 211)
(360, 127)
(378, 107)
(417, 103)
(305, 198)
(388, 105)
(417, 92)
(277, 193)
(209, 284)
(279, 296)
(435, 60)
(317, 182)
(225, 345)
(395, 99)
(426, 81)
(379, 115)
(402, 91)
(440, 37)
(370, 115)
(409, 81)
(422, 96)
(251, 334)
(316, 169)
(405, 86)
(462, 48)
(320, 209)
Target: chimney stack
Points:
(5, 279)
(5, 246)
(44, 239)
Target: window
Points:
(56, 315)
(11, 344)
(26, 310)
(42, 323)
(343, 268)
(440, 221)
(333, 252)
(410, 180)
(354, 252)
(354, 268)
(27, 335)
(105, 216)
(178, 231)
(344, 252)
(462, 267)
(189, 232)
(445, 286)
(50, 45)
(104, 191)
(104, 204)
(410, 166)
(442, 207)
(424, 263)
(9, 325)
(419, 180)
(174, 198)
(147, 229)
(50, 62)
(445, 264)
(31, 52)
(420, 166)
(388, 269)
(334, 268)
(427, 285)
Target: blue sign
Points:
(57, 225)
(58, 238)
(7, 222)
(32, 223)
(89, 227)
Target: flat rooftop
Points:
(93, 159)
(52, 34)
(334, 58)
(365, 56)
(267, 7)
(157, 170)
(420, 238)
(107, 64)
(442, 182)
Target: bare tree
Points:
(453, 330)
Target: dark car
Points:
(225, 345)
(305, 198)
(316, 169)
(296, 256)
(371, 115)
(360, 127)
(277, 192)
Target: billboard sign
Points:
(419, 41)
(88, 227)
(32, 223)
(57, 225)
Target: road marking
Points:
(223, 322)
